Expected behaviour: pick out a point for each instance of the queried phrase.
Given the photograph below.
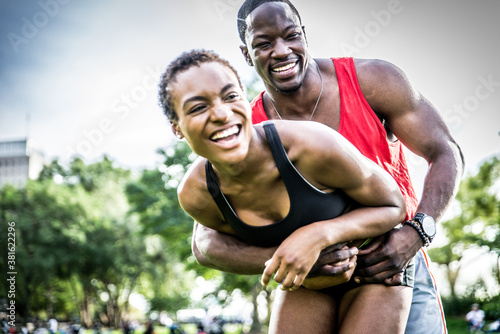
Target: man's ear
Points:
(176, 130)
(244, 51)
(305, 35)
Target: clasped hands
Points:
(300, 264)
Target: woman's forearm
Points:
(358, 224)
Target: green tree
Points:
(75, 241)
(45, 217)
(153, 200)
(476, 225)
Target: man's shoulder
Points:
(375, 67)
(257, 101)
(258, 112)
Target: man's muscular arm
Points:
(227, 253)
(417, 124)
(230, 254)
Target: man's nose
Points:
(281, 49)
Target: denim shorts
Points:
(426, 313)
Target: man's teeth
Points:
(226, 133)
(284, 68)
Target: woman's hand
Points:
(293, 259)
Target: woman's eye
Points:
(232, 96)
(196, 109)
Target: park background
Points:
(80, 80)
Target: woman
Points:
(299, 185)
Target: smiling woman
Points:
(296, 186)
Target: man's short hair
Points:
(249, 6)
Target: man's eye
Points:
(293, 35)
(262, 45)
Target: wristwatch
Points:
(425, 225)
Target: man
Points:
(374, 106)
(475, 318)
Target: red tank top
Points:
(361, 126)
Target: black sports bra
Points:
(307, 203)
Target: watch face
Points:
(429, 226)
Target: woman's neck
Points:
(247, 169)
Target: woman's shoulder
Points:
(196, 201)
(193, 186)
(294, 130)
(308, 137)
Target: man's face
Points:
(276, 46)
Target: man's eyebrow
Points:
(286, 29)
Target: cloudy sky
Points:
(80, 77)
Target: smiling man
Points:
(372, 104)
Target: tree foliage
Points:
(476, 225)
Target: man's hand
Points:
(335, 266)
(385, 258)
(334, 260)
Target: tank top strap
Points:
(283, 164)
(214, 190)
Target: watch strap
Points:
(421, 233)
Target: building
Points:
(19, 160)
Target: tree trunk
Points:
(498, 268)
(269, 304)
(256, 325)
(85, 313)
(452, 279)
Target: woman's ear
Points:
(176, 130)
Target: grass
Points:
(455, 325)
(188, 328)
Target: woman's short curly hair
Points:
(180, 64)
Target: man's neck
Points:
(298, 104)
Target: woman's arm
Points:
(329, 161)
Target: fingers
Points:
(292, 282)
(372, 246)
(334, 247)
(337, 256)
(394, 280)
(289, 277)
(334, 270)
(271, 268)
(389, 278)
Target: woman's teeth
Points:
(226, 133)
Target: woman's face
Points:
(213, 113)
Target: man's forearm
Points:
(441, 183)
(227, 253)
